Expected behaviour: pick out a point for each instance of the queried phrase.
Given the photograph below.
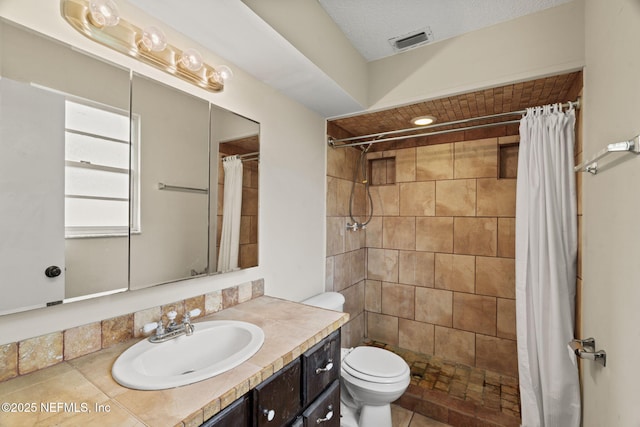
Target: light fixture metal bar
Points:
(126, 38)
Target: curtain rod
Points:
(379, 137)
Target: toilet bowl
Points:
(370, 377)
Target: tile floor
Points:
(405, 418)
(452, 393)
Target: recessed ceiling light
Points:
(423, 120)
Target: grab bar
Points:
(162, 186)
(591, 165)
(586, 349)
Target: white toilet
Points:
(371, 377)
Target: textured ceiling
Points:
(503, 99)
(369, 24)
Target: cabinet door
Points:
(238, 414)
(321, 366)
(325, 411)
(277, 401)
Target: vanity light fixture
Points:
(100, 21)
(423, 120)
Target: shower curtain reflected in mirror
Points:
(231, 210)
(546, 250)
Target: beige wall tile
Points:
(511, 139)
(497, 355)
(142, 317)
(354, 240)
(382, 328)
(357, 263)
(425, 268)
(373, 296)
(398, 300)
(336, 230)
(416, 336)
(496, 277)
(213, 302)
(476, 159)
(399, 232)
(373, 233)
(434, 162)
(455, 272)
(230, 297)
(354, 299)
(506, 325)
(475, 313)
(340, 162)
(343, 196)
(507, 237)
(497, 197)
(405, 164)
(117, 330)
(386, 200)
(476, 236)
(353, 331)
(382, 264)
(416, 268)
(8, 361)
(341, 271)
(434, 234)
(454, 345)
(328, 274)
(39, 352)
(257, 289)
(359, 207)
(456, 197)
(509, 161)
(82, 340)
(434, 306)
(417, 198)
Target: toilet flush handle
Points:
(327, 368)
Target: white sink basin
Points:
(215, 347)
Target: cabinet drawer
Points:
(320, 366)
(238, 414)
(325, 411)
(278, 400)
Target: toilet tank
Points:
(329, 300)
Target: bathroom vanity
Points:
(278, 386)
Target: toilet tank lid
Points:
(328, 300)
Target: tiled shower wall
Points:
(346, 253)
(438, 255)
(440, 263)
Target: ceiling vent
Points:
(411, 40)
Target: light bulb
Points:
(154, 39)
(191, 59)
(104, 13)
(423, 120)
(222, 74)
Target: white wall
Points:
(611, 206)
(292, 185)
(545, 43)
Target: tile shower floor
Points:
(456, 394)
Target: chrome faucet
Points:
(173, 329)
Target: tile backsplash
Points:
(36, 353)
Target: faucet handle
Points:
(172, 315)
(190, 314)
(149, 327)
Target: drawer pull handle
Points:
(270, 414)
(326, 417)
(327, 368)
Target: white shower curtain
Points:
(546, 247)
(231, 210)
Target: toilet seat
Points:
(375, 365)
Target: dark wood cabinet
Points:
(320, 367)
(277, 401)
(238, 414)
(325, 410)
(304, 393)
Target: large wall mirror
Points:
(108, 180)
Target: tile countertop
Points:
(82, 391)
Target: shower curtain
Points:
(546, 248)
(231, 209)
